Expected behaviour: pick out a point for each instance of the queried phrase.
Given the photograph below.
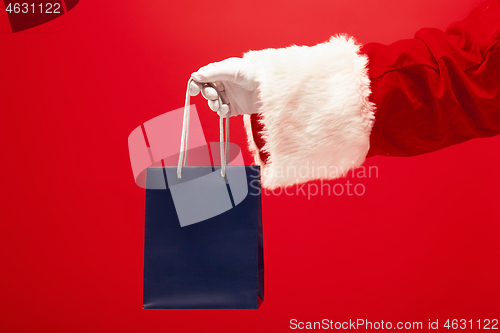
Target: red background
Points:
(421, 244)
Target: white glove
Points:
(235, 80)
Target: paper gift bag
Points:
(213, 264)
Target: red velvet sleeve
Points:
(438, 89)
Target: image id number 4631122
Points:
(41, 8)
(486, 324)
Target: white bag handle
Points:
(224, 145)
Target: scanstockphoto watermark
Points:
(348, 181)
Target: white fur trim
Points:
(315, 110)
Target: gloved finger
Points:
(209, 93)
(194, 89)
(213, 105)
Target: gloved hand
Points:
(235, 80)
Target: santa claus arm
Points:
(430, 92)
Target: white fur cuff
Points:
(315, 111)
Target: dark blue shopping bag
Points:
(216, 263)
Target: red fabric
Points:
(257, 128)
(439, 89)
(433, 91)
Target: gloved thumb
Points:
(230, 70)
